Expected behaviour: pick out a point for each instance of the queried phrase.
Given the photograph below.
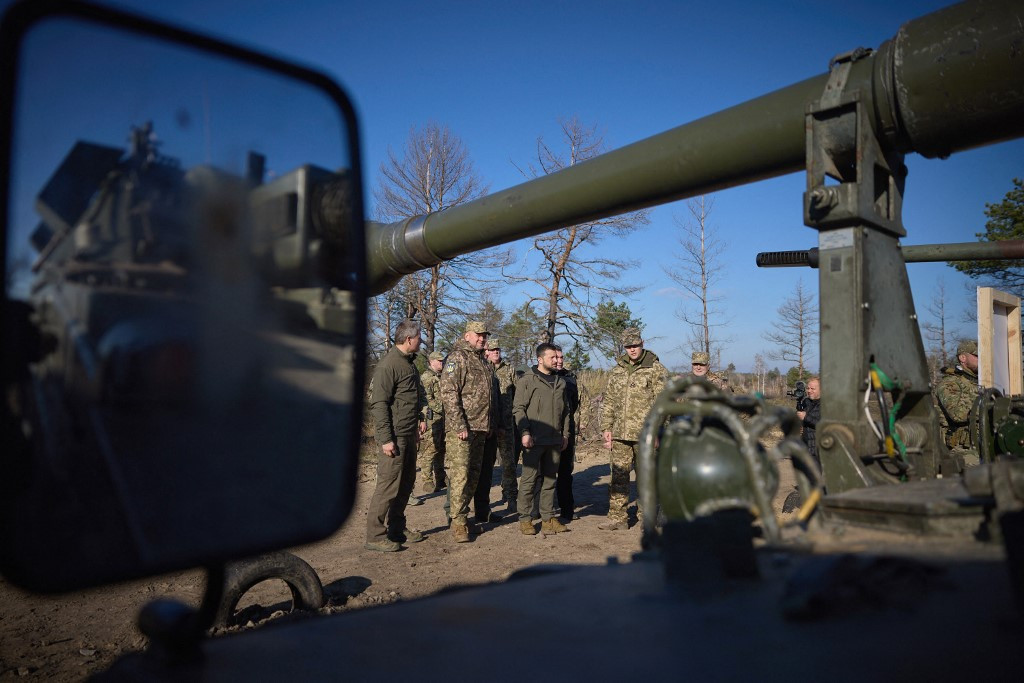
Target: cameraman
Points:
(810, 415)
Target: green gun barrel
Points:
(946, 82)
(916, 253)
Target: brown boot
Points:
(526, 526)
(613, 525)
(553, 526)
(460, 533)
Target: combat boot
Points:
(385, 546)
(406, 536)
(613, 525)
(460, 533)
(553, 526)
(526, 526)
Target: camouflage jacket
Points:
(955, 394)
(506, 377)
(631, 391)
(466, 390)
(719, 382)
(395, 397)
(434, 409)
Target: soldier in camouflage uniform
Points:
(700, 361)
(955, 394)
(636, 380)
(466, 391)
(507, 454)
(431, 450)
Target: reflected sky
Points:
(82, 82)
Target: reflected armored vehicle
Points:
(908, 548)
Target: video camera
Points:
(799, 392)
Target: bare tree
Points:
(698, 270)
(939, 332)
(571, 279)
(433, 174)
(386, 311)
(760, 373)
(796, 329)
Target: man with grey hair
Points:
(700, 367)
(396, 402)
(469, 416)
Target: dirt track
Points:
(69, 637)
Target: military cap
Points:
(631, 337)
(701, 357)
(477, 327)
(493, 344)
(967, 346)
(435, 355)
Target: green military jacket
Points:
(434, 409)
(630, 394)
(541, 408)
(395, 397)
(955, 394)
(466, 390)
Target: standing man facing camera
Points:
(542, 415)
(700, 367)
(467, 393)
(636, 380)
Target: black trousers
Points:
(563, 487)
(482, 496)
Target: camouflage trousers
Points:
(508, 456)
(430, 458)
(462, 460)
(623, 459)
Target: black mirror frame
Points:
(18, 20)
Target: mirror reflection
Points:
(180, 242)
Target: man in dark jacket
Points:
(396, 402)
(541, 412)
(563, 486)
(810, 416)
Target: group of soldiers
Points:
(464, 414)
(471, 409)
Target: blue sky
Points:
(501, 74)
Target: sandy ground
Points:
(69, 637)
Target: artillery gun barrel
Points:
(948, 81)
(916, 253)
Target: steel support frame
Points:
(854, 199)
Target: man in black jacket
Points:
(396, 402)
(563, 486)
(810, 416)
